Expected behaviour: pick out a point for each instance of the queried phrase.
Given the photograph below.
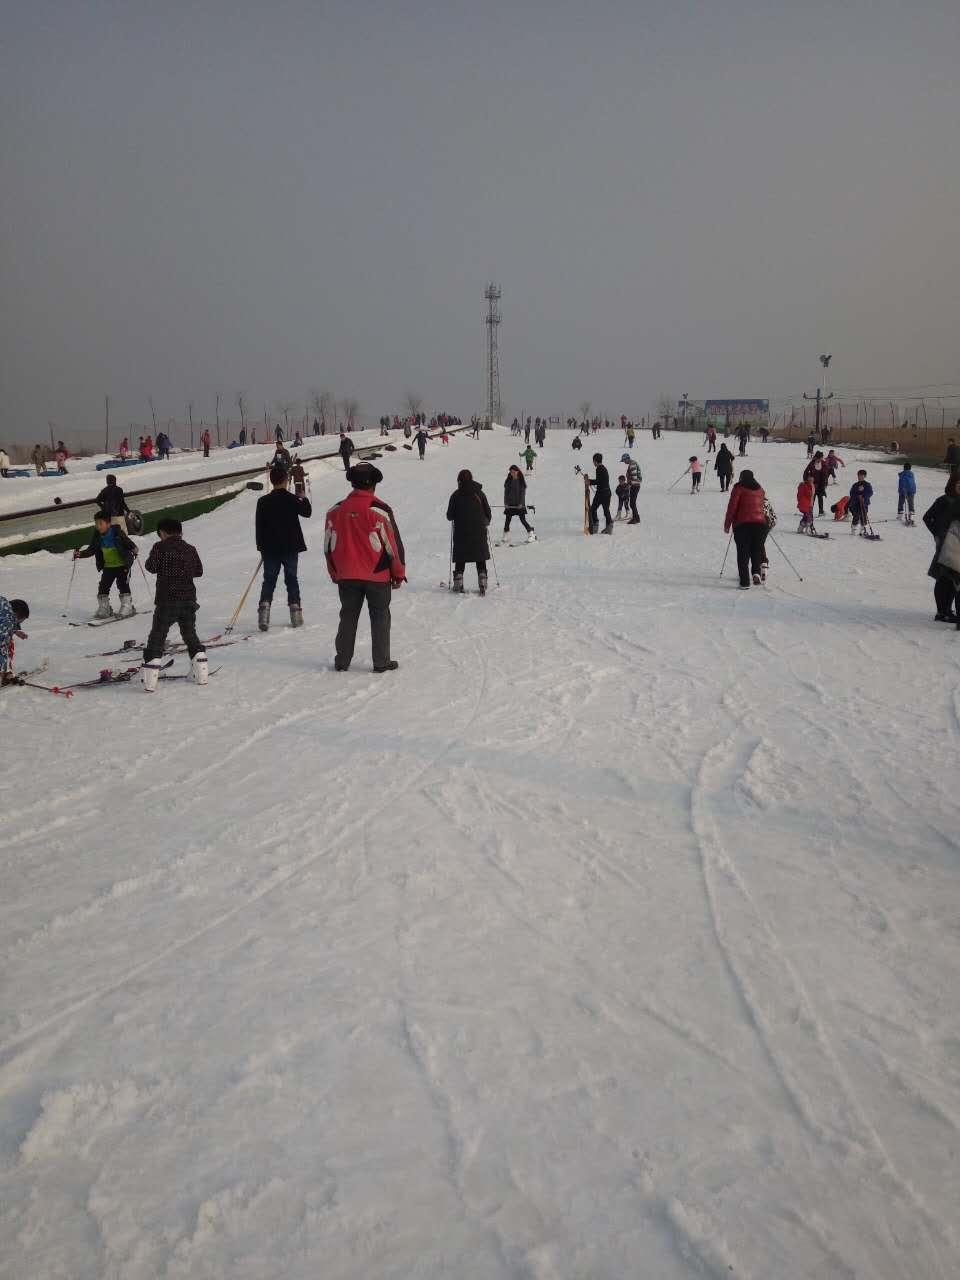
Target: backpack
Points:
(949, 555)
(769, 514)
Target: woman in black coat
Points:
(938, 520)
(470, 513)
(515, 501)
(724, 467)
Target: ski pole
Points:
(679, 478)
(726, 553)
(784, 554)
(66, 603)
(493, 561)
(243, 600)
(146, 580)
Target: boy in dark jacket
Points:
(860, 495)
(280, 541)
(112, 502)
(601, 496)
(115, 554)
(176, 564)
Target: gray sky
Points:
(675, 197)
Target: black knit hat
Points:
(364, 475)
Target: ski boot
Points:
(201, 671)
(151, 675)
(104, 608)
(263, 615)
(763, 573)
(756, 579)
(594, 526)
(531, 536)
(608, 528)
(126, 607)
(296, 615)
(482, 583)
(458, 583)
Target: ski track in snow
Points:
(609, 936)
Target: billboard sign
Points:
(737, 408)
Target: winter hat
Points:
(746, 477)
(364, 475)
(625, 457)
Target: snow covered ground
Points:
(615, 935)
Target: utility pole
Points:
(106, 424)
(820, 398)
(190, 416)
(218, 421)
(492, 295)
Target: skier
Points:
(280, 541)
(634, 480)
(601, 496)
(710, 439)
(469, 512)
(819, 475)
(805, 504)
(743, 435)
(124, 449)
(631, 434)
(621, 491)
(39, 457)
(346, 449)
(696, 474)
(176, 564)
(724, 466)
(655, 431)
(299, 477)
(115, 554)
(946, 575)
(906, 492)
(475, 429)
(12, 614)
(746, 515)
(278, 434)
(860, 495)
(61, 457)
(528, 454)
(515, 502)
(365, 559)
(811, 443)
(526, 432)
(204, 440)
(421, 438)
(832, 461)
(112, 503)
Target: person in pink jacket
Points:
(747, 517)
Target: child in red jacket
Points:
(805, 505)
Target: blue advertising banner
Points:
(736, 408)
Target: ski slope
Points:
(616, 934)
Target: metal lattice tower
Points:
(492, 295)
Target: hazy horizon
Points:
(673, 198)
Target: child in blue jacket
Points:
(906, 492)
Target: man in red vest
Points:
(365, 559)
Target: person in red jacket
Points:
(365, 558)
(746, 515)
(805, 504)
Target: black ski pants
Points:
(460, 565)
(634, 494)
(521, 516)
(352, 595)
(600, 499)
(184, 613)
(725, 478)
(119, 576)
(944, 593)
(751, 552)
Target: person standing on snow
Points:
(938, 520)
(723, 466)
(469, 512)
(818, 474)
(860, 495)
(515, 501)
(421, 438)
(204, 440)
(743, 435)
(13, 613)
(346, 450)
(746, 516)
(601, 496)
(365, 558)
(633, 479)
(280, 541)
(115, 554)
(176, 563)
(906, 492)
(710, 439)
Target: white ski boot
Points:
(151, 675)
(531, 536)
(296, 615)
(201, 671)
(104, 608)
(126, 607)
(263, 615)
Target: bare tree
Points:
(350, 409)
(666, 408)
(286, 407)
(585, 411)
(412, 402)
(242, 406)
(153, 415)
